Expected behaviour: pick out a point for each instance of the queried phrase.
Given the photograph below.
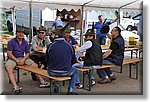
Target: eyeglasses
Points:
(41, 32)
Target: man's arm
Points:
(74, 42)
(11, 56)
(35, 46)
(113, 47)
(84, 47)
(25, 57)
(106, 54)
(10, 47)
(115, 19)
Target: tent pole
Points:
(119, 17)
(82, 24)
(14, 19)
(30, 23)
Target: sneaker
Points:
(17, 90)
(93, 83)
(112, 77)
(45, 85)
(79, 86)
(104, 80)
(71, 93)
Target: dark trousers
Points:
(39, 60)
(101, 39)
(103, 73)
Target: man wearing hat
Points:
(59, 59)
(16, 49)
(70, 39)
(39, 43)
(54, 33)
(93, 55)
(101, 34)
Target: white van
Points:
(127, 22)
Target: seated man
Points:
(39, 43)
(59, 60)
(93, 56)
(114, 55)
(70, 39)
(15, 52)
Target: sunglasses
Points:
(41, 32)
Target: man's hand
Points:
(78, 61)
(109, 36)
(21, 62)
(39, 48)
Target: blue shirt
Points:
(98, 26)
(58, 23)
(59, 55)
(17, 49)
(72, 41)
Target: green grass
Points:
(10, 33)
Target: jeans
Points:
(81, 64)
(73, 73)
(101, 39)
(106, 72)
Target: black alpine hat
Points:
(67, 30)
(105, 29)
(89, 32)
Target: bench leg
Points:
(63, 84)
(18, 78)
(83, 79)
(130, 65)
(137, 70)
(89, 79)
(121, 69)
(55, 87)
(131, 53)
(51, 86)
(90, 73)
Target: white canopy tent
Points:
(73, 4)
(68, 5)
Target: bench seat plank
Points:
(128, 61)
(42, 72)
(134, 60)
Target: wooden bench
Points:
(131, 62)
(44, 73)
(89, 70)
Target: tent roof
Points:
(73, 4)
